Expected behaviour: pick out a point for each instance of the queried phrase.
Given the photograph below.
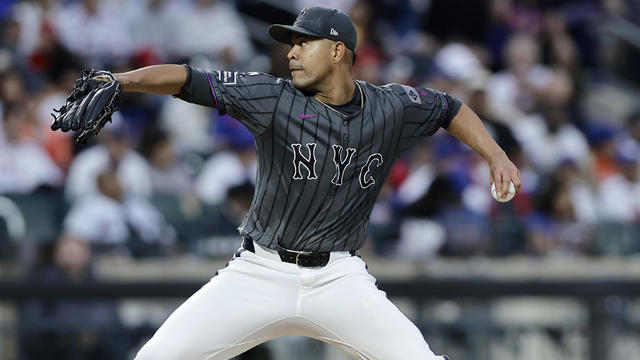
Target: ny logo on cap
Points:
(302, 13)
(333, 32)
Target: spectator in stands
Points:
(24, 165)
(10, 33)
(167, 176)
(99, 216)
(219, 233)
(12, 88)
(34, 19)
(560, 49)
(581, 189)
(228, 168)
(191, 134)
(460, 231)
(549, 138)
(154, 29)
(553, 227)
(95, 30)
(69, 329)
(120, 222)
(236, 205)
(229, 44)
(455, 65)
(619, 194)
(602, 138)
(13, 91)
(514, 92)
(54, 70)
(368, 65)
(421, 173)
(467, 231)
(58, 145)
(113, 151)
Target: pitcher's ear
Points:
(339, 51)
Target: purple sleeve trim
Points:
(215, 98)
(446, 109)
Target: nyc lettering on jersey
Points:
(340, 160)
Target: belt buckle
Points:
(297, 258)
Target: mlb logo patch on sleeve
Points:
(413, 94)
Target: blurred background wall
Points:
(158, 195)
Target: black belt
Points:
(313, 259)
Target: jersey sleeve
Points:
(425, 111)
(249, 97)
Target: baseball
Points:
(508, 196)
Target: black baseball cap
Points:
(319, 22)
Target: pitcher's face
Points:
(309, 61)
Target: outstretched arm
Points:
(467, 127)
(156, 79)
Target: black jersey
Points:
(319, 171)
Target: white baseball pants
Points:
(257, 297)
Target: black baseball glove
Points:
(94, 98)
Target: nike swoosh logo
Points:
(306, 116)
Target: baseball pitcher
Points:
(325, 143)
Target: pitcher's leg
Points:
(237, 310)
(358, 318)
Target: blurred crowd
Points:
(552, 80)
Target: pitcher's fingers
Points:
(517, 180)
(506, 182)
(497, 178)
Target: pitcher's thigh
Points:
(357, 317)
(219, 321)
